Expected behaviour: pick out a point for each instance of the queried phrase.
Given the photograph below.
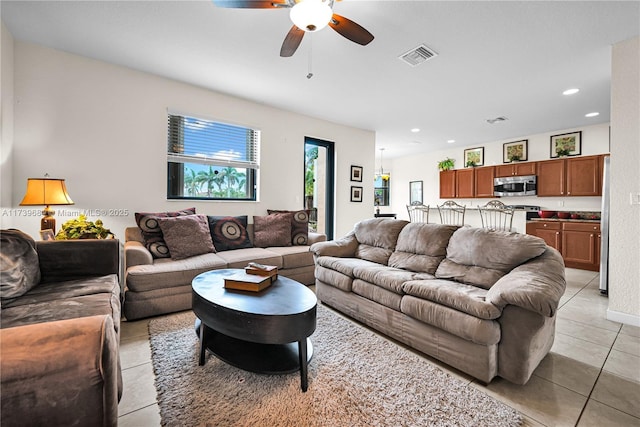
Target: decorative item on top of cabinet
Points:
(514, 151)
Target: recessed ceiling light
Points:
(571, 91)
(451, 141)
(415, 130)
(595, 113)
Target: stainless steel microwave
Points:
(515, 186)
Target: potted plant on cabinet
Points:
(446, 164)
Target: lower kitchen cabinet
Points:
(578, 242)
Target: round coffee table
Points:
(264, 332)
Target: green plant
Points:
(80, 228)
(563, 152)
(471, 164)
(514, 158)
(446, 164)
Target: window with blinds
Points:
(211, 160)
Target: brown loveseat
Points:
(157, 286)
(482, 301)
(59, 362)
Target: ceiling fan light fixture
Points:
(311, 15)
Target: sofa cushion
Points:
(19, 265)
(229, 232)
(333, 278)
(294, 256)
(187, 235)
(239, 258)
(376, 293)
(299, 226)
(466, 298)
(388, 278)
(463, 325)
(377, 238)
(152, 233)
(166, 273)
(344, 265)
(480, 257)
(421, 247)
(272, 230)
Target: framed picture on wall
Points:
(566, 144)
(356, 173)
(514, 151)
(415, 192)
(356, 194)
(474, 157)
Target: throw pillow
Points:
(299, 226)
(187, 235)
(272, 230)
(151, 232)
(229, 232)
(19, 266)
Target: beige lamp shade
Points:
(46, 191)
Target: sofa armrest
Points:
(536, 285)
(316, 237)
(65, 372)
(69, 259)
(135, 253)
(343, 248)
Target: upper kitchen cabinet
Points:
(484, 181)
(516, 169)
(448, 184)
(574, 176)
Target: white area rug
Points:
(356, 378)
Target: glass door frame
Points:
(330, 181)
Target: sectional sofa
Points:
(59, 360)
(161, 261)
(479, 300)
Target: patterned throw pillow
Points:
(186, 235)
(229, 232)
(299, 226)
(272, 230)
(151, 232)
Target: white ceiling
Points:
(498, 58)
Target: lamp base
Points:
(48, 222)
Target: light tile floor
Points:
(590, 378)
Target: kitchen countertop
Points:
(565, 220)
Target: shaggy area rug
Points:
(356, 378)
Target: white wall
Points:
(424, 167)
(103, 128)
(624, 247)
(6, 122)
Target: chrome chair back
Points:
(495, 215)
(418, 213)
(452, 213)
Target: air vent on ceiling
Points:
(496, 120)
(418, 55)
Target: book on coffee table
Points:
(247, 282)
(262, 270)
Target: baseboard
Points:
(627, 319)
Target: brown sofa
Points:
(482, 301)
(60, 319)
(157, 286)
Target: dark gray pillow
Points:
(272, 230)
(187, 235)
(19, 266)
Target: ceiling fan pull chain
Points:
(310, 73)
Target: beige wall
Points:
(624, 276)
(6, 122)
(103, 128)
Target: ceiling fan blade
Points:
(350, 30)
(252, 4)
(291, 41)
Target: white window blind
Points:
(195, 140)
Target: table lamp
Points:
(46, 191)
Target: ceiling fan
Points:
(307, 16)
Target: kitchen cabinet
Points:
(574, 176)
(465, 183)
(577, 241)
(448, 184)
(516, 169)
(580, 245)
(484, 181)
(549, 231)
